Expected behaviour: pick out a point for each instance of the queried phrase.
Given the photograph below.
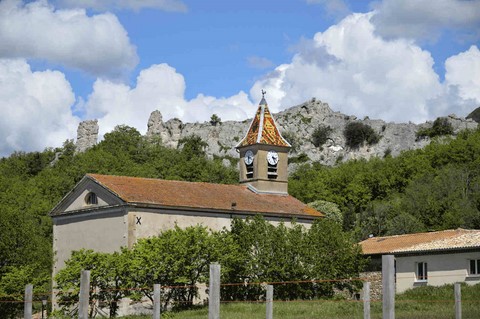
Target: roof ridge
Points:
(162, 179)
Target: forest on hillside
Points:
(423, 190)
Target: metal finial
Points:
(263, 93)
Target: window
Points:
(474, 267)
(91, 199)
(422, 271)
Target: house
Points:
(433, 258)
(105, 213)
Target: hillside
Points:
(298, 125)
(433, 188)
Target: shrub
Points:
(215, 119)
(321, 134)
(357, 133)
(441, 126)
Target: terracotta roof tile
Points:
(263, 129)
(207, 196)
(440, 240)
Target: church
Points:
(105, 213)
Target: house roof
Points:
(422, 242)
(202, 196)
(263, 129)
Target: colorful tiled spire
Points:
(263, 129)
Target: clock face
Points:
(248, 157)
(272, 157)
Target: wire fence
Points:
(342, 304)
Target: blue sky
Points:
(64, 61)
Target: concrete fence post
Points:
(366, 300)
(84, 296)
(214, 292)
(156, 301)
(27, 306)
(388, 286)
(458, 300)
(269, 302)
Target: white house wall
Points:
(442, 269)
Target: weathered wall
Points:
(100, 231)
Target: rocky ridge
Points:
(297, 124)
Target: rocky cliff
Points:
(297, 124)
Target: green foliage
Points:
(268, 253)
(253, 252)
(357, 133)
(321, 134)
(104, 276)
(192, 146)
(177, 257)
(441, 126)
(423, 190)
(330, 210)
(300, 158)
(31, 184)
(215, 119)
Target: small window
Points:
(91, 199)
(474, 267)
(422, 271)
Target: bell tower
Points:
(264, 154)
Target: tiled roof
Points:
(263, 129)
(440, 240)
(202, 196)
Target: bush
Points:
(441, 126)
(215, 119)
(321, 134)
(357, 133)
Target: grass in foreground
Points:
(421, 302)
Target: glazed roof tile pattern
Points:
(422, 242)
(263, 129)
(199, 196)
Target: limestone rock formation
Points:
(87, 135)
(298, 124)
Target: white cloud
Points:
(159, 87)
(463, 70)
(136, 5)
(97, 44)
(426, 19)
(35, 108)
(358, 72)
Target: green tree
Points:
(105, 280)
(321, 134)
(357, 133)
(177, 258)
(215, 119)
(330, 210)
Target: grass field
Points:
(422, 302)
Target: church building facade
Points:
(105, 213)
